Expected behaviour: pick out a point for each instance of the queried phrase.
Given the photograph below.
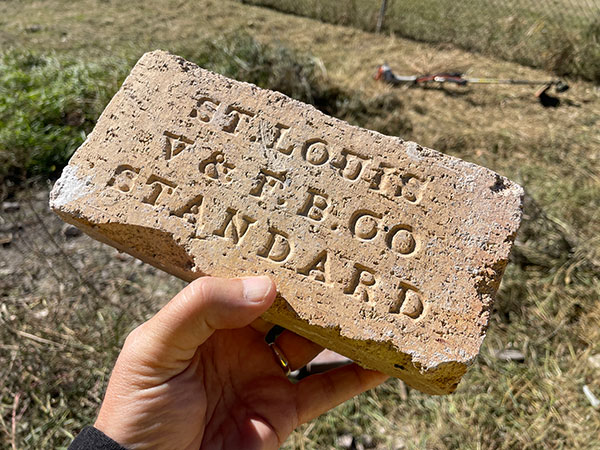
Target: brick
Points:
(384, 251)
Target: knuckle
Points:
(200, 288)
(133, 337)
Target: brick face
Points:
(382, 250)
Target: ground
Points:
(67, 303)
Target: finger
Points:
(261, 325)
(298, 350)
(205, 305)
(319, 393)
(326, 360)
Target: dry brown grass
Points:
(561, 36)
(58, 337)
(65, 308)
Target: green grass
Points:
(66, 305)
(560, 37)
(49, 103)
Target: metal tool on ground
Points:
(386, 75)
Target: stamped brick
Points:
(384, 251)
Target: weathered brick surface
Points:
(382, 250)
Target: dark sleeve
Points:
(92, 439)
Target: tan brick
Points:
(384, 251)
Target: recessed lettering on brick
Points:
(408, 302)
(234, 225)
(362, 279)
(124, 177)
(315, 205)
(388, 180)
(277, 248)
(382, 250)
(350, 164)
(205, 109)
(268, 182)
(317, 267)
(273, 135)
(364, 224)
(401, 239)
(216, 167)
(190, 210)
(157, 190)
(234, 116)
(315, 151)
(175, 144)
(411, 188)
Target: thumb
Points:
(173, 335)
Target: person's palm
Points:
(179, 384)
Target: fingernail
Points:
(256, 288)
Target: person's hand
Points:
(198, 376)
